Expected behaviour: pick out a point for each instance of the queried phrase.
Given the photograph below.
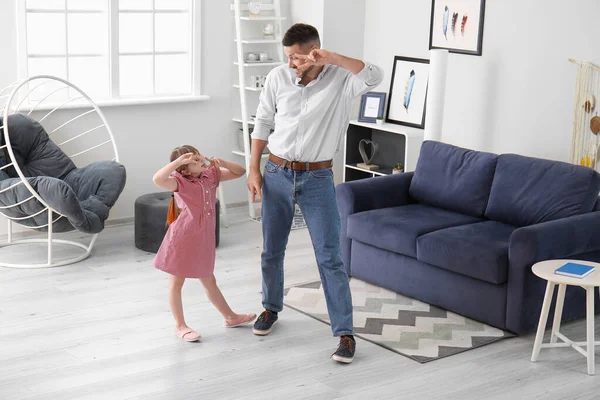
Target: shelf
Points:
(260, 64)
(252, 89)
(392, 128)
(241, 153)
(259, 41)
(244, 7)
(240, 121)
(265, 18)
(380, 171)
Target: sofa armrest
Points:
(369, 194)
(555, 239)
(561, 238)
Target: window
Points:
(112, 49)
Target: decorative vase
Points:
(397, 171)
(379, 121)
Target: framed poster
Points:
(408, 92)
(457, 25)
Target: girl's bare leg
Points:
(175, 286)
(216, 298)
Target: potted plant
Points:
(398, 169)
(379, 121)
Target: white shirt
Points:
(310, 121)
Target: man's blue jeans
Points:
(314, 192)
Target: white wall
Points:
(146, 134)
(518, 96)
(344, 27)
(310, 12)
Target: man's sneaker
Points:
(346, 349)
(264, 324)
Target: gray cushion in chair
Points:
(36, 154)
(83, 196)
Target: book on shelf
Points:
(575, 270)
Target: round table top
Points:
(545, 270)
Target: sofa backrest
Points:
(453, 178)
(528, 190)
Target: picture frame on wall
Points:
(372, 106)
(408, 92)
(457, 25)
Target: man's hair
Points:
(301, 34)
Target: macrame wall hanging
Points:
(586, 120)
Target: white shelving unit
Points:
(268, 18)
(259, 64)
(252, 89)
(397, 144)
(244, 21)
(241, 153)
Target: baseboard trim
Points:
(119, 222)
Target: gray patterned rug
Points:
(406, 326)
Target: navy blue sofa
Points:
(464, 229)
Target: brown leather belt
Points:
(300, 165)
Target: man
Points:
(307, 103)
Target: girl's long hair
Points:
(177, 152)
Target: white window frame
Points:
(115, 99)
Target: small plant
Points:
(398, 167)
(380, 118)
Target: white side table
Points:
(545, 270)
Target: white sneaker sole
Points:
(341, 359)
(265, 332)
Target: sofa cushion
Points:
(477, 250)
(529, 190)
(453, 178)
(397, 228)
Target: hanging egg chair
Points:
(59, 167)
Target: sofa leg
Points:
(539, 337)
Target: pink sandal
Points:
(188, 334)
(242, 319)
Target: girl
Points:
(188, 249)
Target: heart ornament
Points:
(361, 149)
(254, 7)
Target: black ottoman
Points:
(151, 220)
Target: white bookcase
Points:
(249, 38)
(397, 144)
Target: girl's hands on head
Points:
(217, 162)
(187, 159)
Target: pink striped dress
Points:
(188, 249)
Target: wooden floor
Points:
(101, 329)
